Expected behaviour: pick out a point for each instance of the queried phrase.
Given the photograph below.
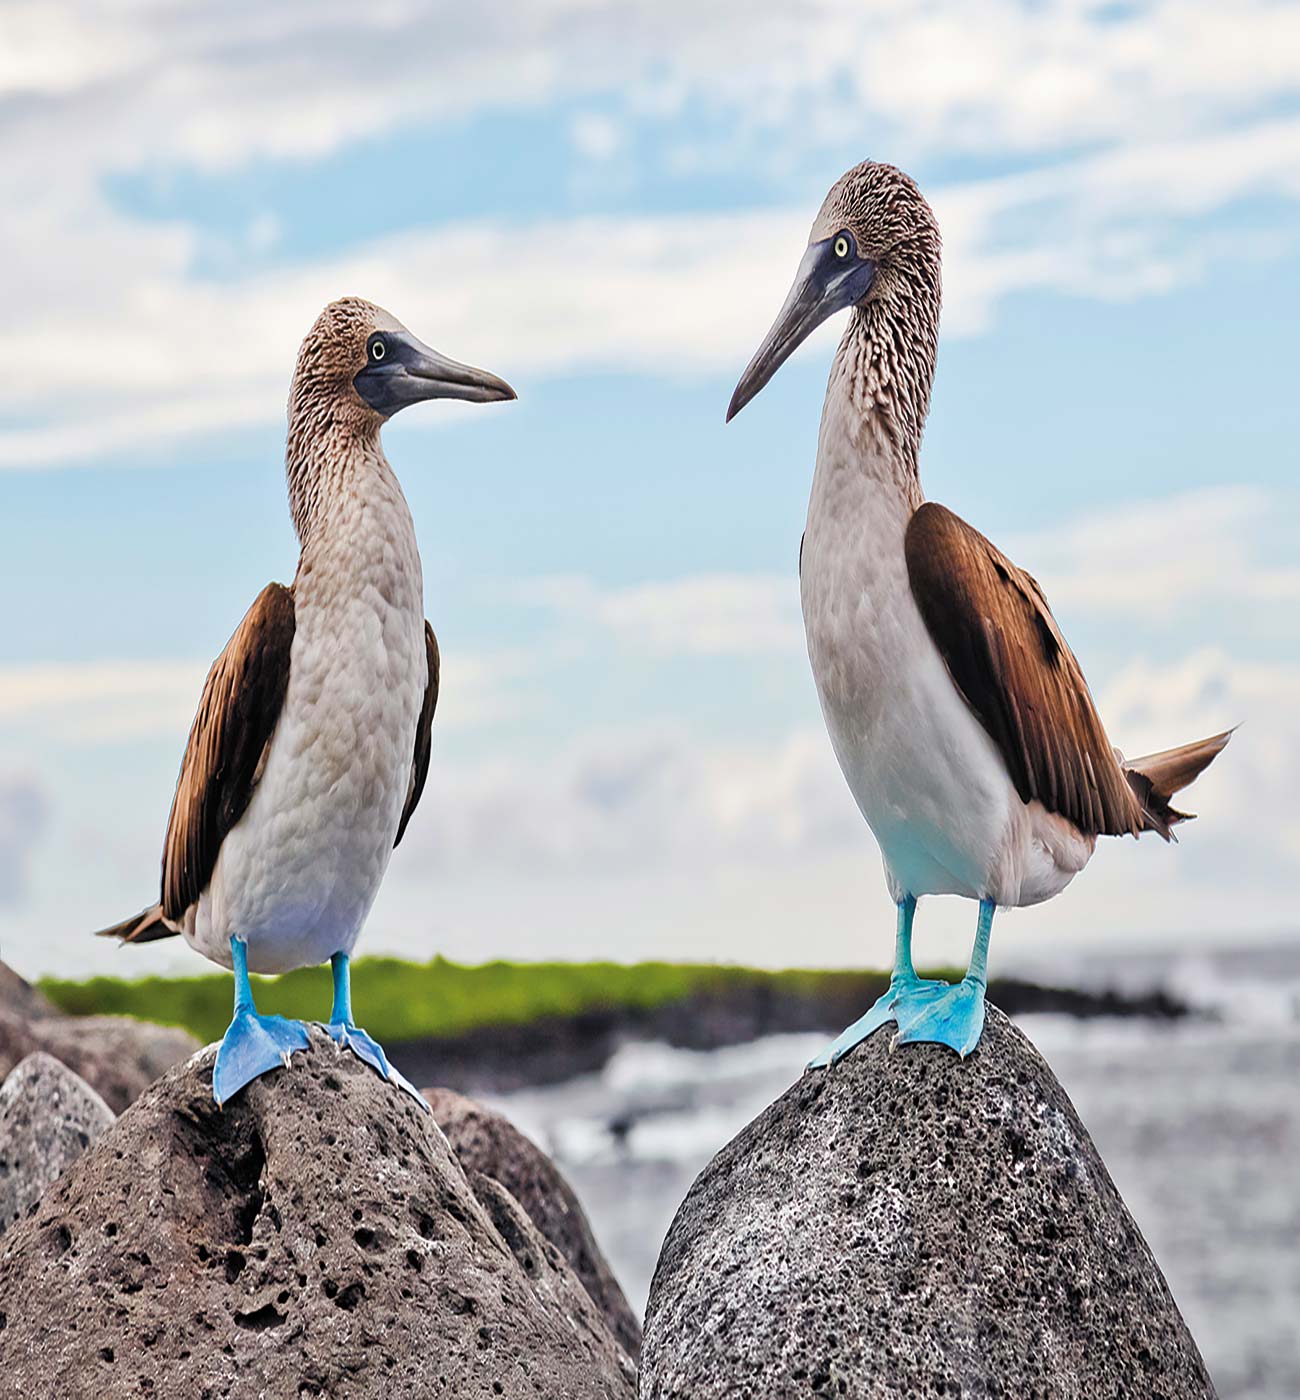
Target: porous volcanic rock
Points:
(911, 1224)
(48, 1117)
(488, 1143)
(19, 996)
(317, 1237)
(118, 1056)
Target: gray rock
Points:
(20, 997)
(490, 1146)
(48, 1117)
(118, 1056)
(909, 1224)
(316, 1238)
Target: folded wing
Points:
(1008, 659)
(423, 734)
(227, 748)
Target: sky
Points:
(605, 204)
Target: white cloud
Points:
(657, 294)
(23, 811)
(1149, 562)
(658, 844)
(644, 845)
(159, 352)
(94, 702)
(702, 614)
(1226, 546)
(596, 136)
(1250, 792)
(636, 801)
(219, 88)
(1128, 130)
(1234, 873)
(90, 701)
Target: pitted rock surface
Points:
(487, 1143)
(909, 1224)
(317, 1237)
(48, 1118)
(22, 999)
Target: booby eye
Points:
(842, 246)
(378, 350)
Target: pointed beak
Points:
(411, 372)
(823, 285)
(439, 377)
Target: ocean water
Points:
(1197, 1120)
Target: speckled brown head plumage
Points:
(892, 224)
(357, 366)
(874, 247)
(362, 361)
(333, 352)
(892, 344)
(895, 228)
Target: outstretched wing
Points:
(1008, 659)
(423, 735)
(226, 753)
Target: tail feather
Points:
(144, 927)
(1157, 776)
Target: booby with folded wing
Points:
(958, 714)
(310, 748)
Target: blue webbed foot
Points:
(348, 1036)
(902, 991)
(252, 1045)
(366, 1047)
(953, 1016)
(880, 1013)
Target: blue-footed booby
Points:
(310, 748)
(959, 716)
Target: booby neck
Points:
(878, 395)
(333, 457)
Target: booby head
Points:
(365, 360)
(874, 239)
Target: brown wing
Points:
(423, 735)
(1008, 659)
(241, 704)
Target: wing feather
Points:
(1007, 657)
(242, 699)
(423, 733)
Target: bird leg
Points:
(252, 1044)
(349, 1036)
(904, 986)
(955, 1015)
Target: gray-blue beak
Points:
(826, 282)
(401, 370)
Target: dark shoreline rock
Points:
(48, 1118)
(910, 1224)
(489, 1146)
(317, 1237)
(18, 996)
(501, 1059)
(118, 1056)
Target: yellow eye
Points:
(378, 350)
(841, 246)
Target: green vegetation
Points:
(397, 1000)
